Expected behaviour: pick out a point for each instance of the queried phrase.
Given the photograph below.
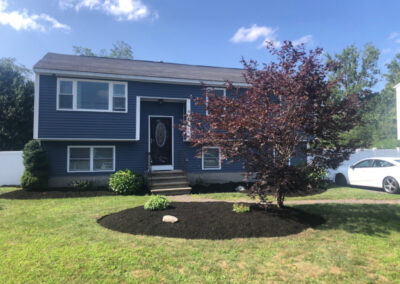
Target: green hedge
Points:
(36, 173)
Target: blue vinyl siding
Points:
(133, 155)
(81, 124)
(55, 123)
(103, 125)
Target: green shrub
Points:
(157, 202)
(29, 181)
(82, 184)
(36, 166)
(127, 182)
(240, 208)
(317, 178)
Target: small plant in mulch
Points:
(157, 202)
(240, 208)
(82, 185)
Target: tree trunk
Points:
(280, 197)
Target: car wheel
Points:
(340, 180)
(390, 185)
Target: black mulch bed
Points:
(211, 220)
(231, 186)
(53, 193)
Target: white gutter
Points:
(136, 78)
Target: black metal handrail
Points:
(149, 167)
(184, 161)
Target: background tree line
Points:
(359, 72)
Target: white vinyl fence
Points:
(366, 153)
(11, 167)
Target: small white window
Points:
(211, 159)
(91, 159)
(220, 92)
(119, 100)
(65, 98)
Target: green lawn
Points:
(59, 241)
(333, 193)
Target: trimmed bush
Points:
(127, 182)
(157, 202)
(82, 185)
(29, 181)
(316, 178)
(240, 208)
(36, 165)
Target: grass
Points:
(59, 240)
(333, 193)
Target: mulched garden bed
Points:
(211, 220)
(231, 186)
(53, 193)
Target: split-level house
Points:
(95, 115)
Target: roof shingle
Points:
(127, 67)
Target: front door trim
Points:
(163, 167)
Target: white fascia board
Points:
(36, 108)
(137, 118)
(136, 78)
(396, 86)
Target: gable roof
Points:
(54, 63)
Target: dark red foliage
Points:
(288, 102)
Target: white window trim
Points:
(202, 159)
(91, 147)
(209, 90)
(75, 94)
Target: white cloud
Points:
(303, 40)
(386, 50)
(122, 10)
(24, 21)
(252, 34)
(393, 35)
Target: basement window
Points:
(91, 159)
(211, 158)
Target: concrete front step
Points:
(167, 173)
(156, 180)
(172, 191)
(169, 182)
(169, 185)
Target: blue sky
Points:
(195, 32)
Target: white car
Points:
(373, 172)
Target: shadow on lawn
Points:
(53, 193)
(367, 219)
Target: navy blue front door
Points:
(161, 142)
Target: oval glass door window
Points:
(160, 134)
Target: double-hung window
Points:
(92, 95)
(119, 97)
(91, 158)
(219, 92)
(65, 94)
(211, 158)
